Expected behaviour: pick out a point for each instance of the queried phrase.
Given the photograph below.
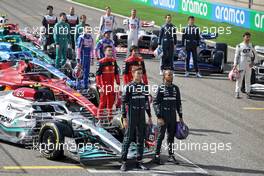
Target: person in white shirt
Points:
(243, 62)
(107, 23)
(73, 21)
(133, 24)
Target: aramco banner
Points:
(242, 17)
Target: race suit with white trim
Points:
(133, 25)
(107, 23)
(243, 58)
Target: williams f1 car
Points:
(210, 58)
(31, 117)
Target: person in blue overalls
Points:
(85, 53)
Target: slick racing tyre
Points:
(218, 57)
(222, 47)
(154, 43)
(51, 139)
(119, 129)
(2, 87)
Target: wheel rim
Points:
(48, 143)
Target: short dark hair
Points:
(87, 25)
(132, 48)
(167, 15)
(107, 46)
(246, 34)
(82, 16)
(49, 7)
(62, 14)
(164, 73)
(190, 17)
(133, 10)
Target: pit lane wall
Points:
(217, 12)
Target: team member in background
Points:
(79, 28)
(244, 61)
(166, 103)
(191, 40)
(107, 22)
(133, 60)
(85, 53)
(134, 104)
(106, 75)
(106, 40)
(73, 21)
(168, 41)
(133, 24)
(48, 22)
(62, 39)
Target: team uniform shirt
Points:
(99, 49)
(72, 20)
(244, 57)
(127, 69)
(85, 53)
(49, 22)
(107, 23)
(106, 75)
(133, 25)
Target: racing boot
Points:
(248, 96)
(237, 95)
(141, 166)
(123, 167)
(198, 75)
(172, 159)
(157, 160)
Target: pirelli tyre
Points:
(218, 60)
(2, 87)
(117, 123)
(51, 139)
(154, 43)
(222, 47)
